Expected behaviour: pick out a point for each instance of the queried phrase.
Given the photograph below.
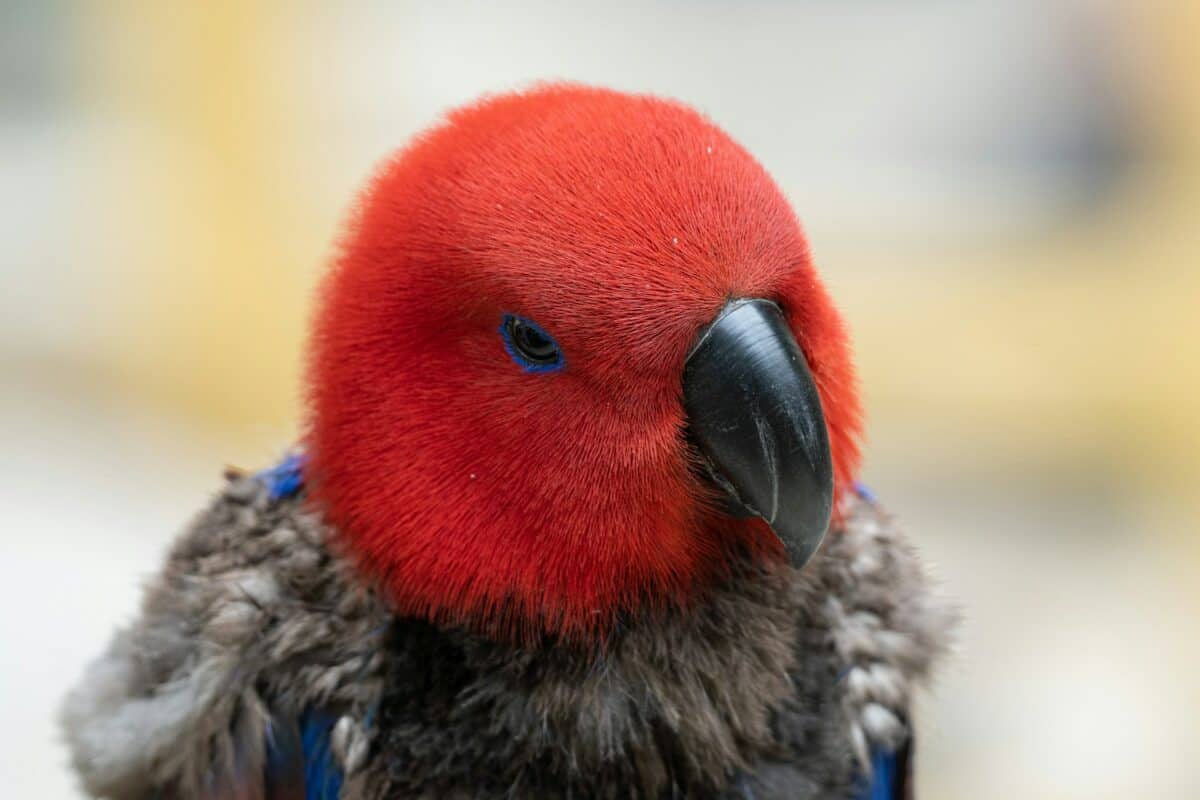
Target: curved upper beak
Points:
(755, 416)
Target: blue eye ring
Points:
(529, 345)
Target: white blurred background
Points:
(1004, 197)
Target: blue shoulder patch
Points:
(890, 778)
(883, 777)
(284, 479)
(864, 491)
(322, 776)
(300, 762)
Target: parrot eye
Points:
(530, 346)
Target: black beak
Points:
(754, 414)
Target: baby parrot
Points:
(574, 514)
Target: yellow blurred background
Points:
(1004, 197)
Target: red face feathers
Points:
(497, 423)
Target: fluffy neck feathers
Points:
(778, 674)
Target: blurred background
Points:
(1004, 197)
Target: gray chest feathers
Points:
(680, 707)
(775, 684)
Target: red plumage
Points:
(485, 495)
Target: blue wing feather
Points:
(322, 776)
(285, 478)
(300, 761)
(891, 775)
(883, 777)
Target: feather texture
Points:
(259, 617)
(255, 618)
(284, 772)
(890, 776)
(322, 773)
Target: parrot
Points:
(573, 511)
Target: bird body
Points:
(574, 516)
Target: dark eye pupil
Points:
(532, 343)
(528, 345)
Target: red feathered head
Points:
(500, 424)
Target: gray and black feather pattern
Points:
(264, 665)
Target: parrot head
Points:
(571, 361)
